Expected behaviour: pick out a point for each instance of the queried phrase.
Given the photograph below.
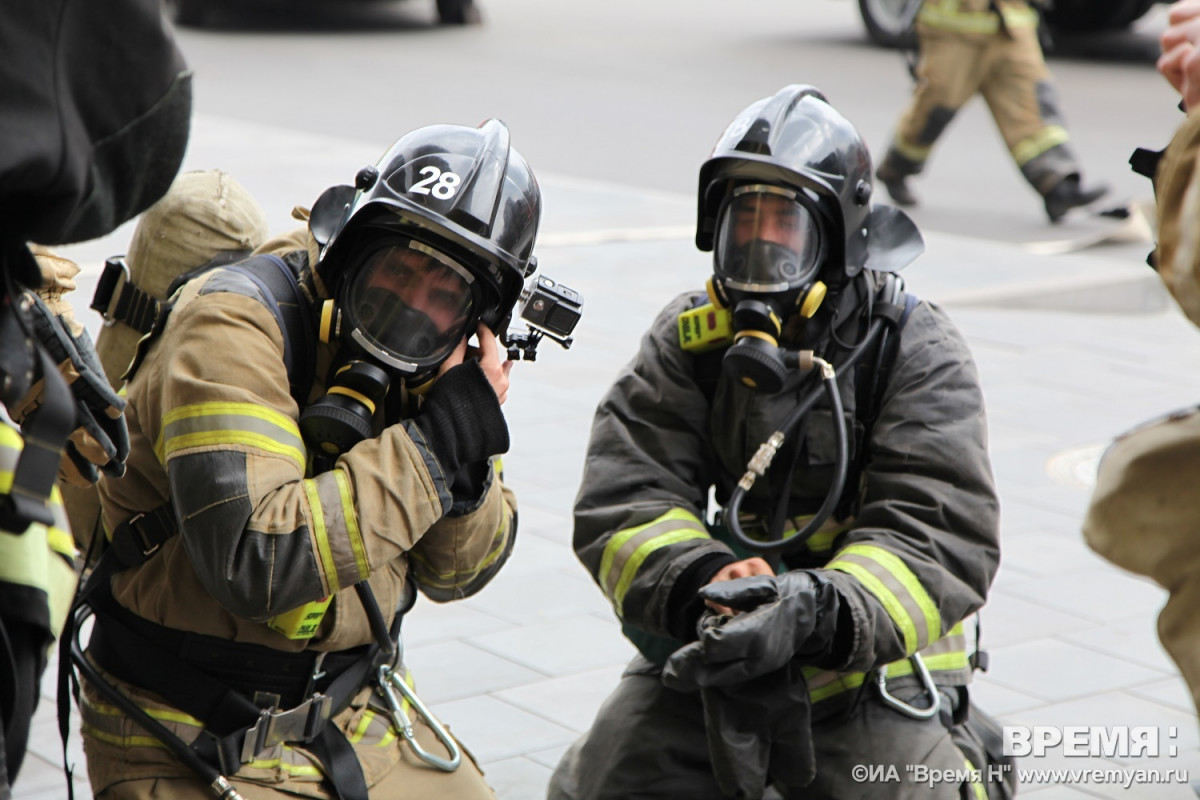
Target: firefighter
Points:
(806, 627)
(205, 215)
(987, 47)
(1143, 514)
(301, 464)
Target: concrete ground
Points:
(1073, 348)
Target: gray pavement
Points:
(1072, 348)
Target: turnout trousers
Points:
(126, 763)
(1010, 72)
(648, 743)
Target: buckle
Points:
(106, 286)
(300, 724)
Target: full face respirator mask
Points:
(767, 255)
(398, 316)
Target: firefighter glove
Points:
(461, 419)
(100, 441)
(759, 732)
(793, 615)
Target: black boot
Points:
(897, 185)
(1068, 194)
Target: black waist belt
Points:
(231, 688)
(249, 669)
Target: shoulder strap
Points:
(138, 538)
(281, 286)
(870, 383)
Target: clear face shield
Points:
(766, 241)
(409, 305)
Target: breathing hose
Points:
(219, 784)
(761, 460)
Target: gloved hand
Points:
(759, 731)
(460, 418)
(101, 440)
(786, 616)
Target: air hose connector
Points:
(761, 460)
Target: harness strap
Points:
(238, 729)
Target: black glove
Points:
(793, 615)
(760, 731)
(101, 438)
(461, 420)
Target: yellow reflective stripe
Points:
(1032, 147)
(823, 684)
(289, 767)
(165, 714)
(895, 585)
(976, 786)
(913, 152)
(350, 515)
(626, 550)
(321, 536)
(239, 424)
(962, 22)
(121, 741)
(893, 606)
(10, 438)
(446, 580)
(58, 534)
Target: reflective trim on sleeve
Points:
(628, 549)
(245, 425)
(432, 579)
(1031, 147)
(897, 588)
(350, 518)
(321, 538)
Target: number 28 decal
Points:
(442, 185)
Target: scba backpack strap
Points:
(124, 301)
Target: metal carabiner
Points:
(390, 679)
(903, 707)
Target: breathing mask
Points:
(767, 255)
(398, 315)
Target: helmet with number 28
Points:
(434, 238)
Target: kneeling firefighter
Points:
(812, 618)
(313, 439)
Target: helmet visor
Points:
(409, 304)
(767, 240)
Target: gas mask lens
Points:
(767, 240)
(409, 304)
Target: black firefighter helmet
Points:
(796, 141)
(784, 204)
(435, 237)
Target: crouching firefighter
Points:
(314, 437)
(809, 617)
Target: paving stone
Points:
(1009, 619)
(560, 648)
(495, 730)
(454, 669)
(1057, 671)
(571, 701)
(430, 622)
(550, 596)
(1171, 692)
(1132, 640)
(517, 778)
(1104, 595)
(550, 757)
